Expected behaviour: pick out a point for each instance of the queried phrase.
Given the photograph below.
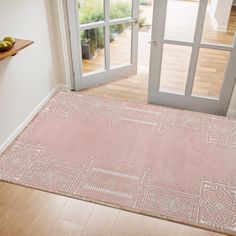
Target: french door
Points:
(104, 40)
(188, 69)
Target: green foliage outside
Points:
(92, 11)
(145, 2)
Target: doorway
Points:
(180, 22)
(104, 40)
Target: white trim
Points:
(76, 59)
(63, 87)
(28, 119)
(216, 26)
(224, 47)
(231, 113)
(196, 47)
(107, 34)
(66, 50)
(92, 25)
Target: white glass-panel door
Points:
(104, 40)
(192, 65)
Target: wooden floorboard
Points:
(27, 212)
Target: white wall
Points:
(234, 2)
(220, 11)
(27, 78)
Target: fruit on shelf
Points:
(9, 39)
(7, 44)
(3, 46)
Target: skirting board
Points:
(20, 128)
(63, 87)
(215, 24)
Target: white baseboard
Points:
(221, 28)
(20, 128)
(216, 26)
(231, 113)
(63, 87)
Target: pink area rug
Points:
(168, 163)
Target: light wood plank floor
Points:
(27, 212)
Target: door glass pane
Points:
(92, 46)
(181, 20)
(219, 27)
(120, 8)
(174, 71)
(90, 11)
(210, 72)
(120, 44)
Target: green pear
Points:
(3, 46)
(9, 39)
(9, 45)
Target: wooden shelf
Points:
(19, 45)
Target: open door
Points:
(104, 40)
(189, 69)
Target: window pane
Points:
(181, 20)
(90, 11)
(92, 45)
(120, 8)
(174, 71)
(120, 44)
(216, 33)
(210, 72)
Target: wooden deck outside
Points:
(180, 25)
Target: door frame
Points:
(66, 75)
(187, 101)
(108, 74)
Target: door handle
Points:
(153, 42)
(136, 21)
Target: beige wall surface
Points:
(27, 78)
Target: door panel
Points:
(180, 25)
(93, 57)
(86, 11)
(174, 70)
(124, 6)
(120, 46)
(104, 40)
(210, 72)
(191, 74)
(212, 36)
